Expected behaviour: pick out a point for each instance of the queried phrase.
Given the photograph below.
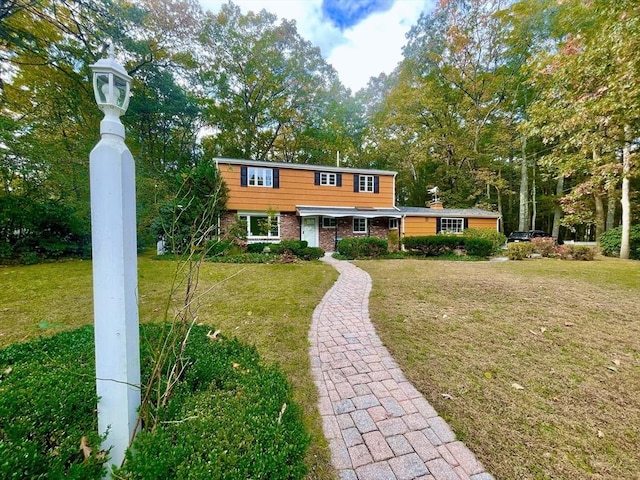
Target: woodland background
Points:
(529, 108)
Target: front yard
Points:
(535, 364)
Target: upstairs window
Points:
(366, 183)
(328, 179)
(259, 177)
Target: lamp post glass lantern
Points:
(111, 85)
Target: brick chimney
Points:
(436, 205)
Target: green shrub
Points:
(231, 417)
(261, 246)
(611, 239)
(47, 403)
(519, 250)
(295, 247)
(545, 246)
(576, 252)
(244, 258)
(217, 247)
(311, 253)
(434, 245)
(479, 247)
(362, 247)
(497, 238)
(31, 231)
(393, 240)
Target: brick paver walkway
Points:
(378, 425)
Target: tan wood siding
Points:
(297, 188)
(486, 223)
(419, 226)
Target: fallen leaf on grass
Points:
(86, 449)
(569, 324)
(616, 362)
(447, 396)
(600, 434)
(517, 386)
(613, 369)
(6, 372)
(236, 365)
(542, 330)
(213, 336)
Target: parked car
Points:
(527, 235)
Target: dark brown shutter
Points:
(243, 176)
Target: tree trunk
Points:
(557, 213)
(599, 215)
(523, 219)
(626, 204)
(534, 204)
(611, 209)
(501, 220)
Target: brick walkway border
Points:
(379, 427)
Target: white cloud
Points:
(365, 50)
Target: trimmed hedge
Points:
(362, 247)
(611, 240)
(479, 247)
(576, 252)
(434, 245)
(497, 239)
(519, 250)
(231, 417)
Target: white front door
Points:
(310, 230)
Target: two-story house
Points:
(321, 204)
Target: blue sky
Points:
(360, 38)
(348, 13)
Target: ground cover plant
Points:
(535, 364)
(231, 417)
(269, 306)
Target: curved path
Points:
(379, 427)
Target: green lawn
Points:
(468, 334)
(535, 364)
(269, 306)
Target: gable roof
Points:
(302, 166)
(447, 212)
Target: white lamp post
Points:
(115, 268)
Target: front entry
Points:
(310, 230)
